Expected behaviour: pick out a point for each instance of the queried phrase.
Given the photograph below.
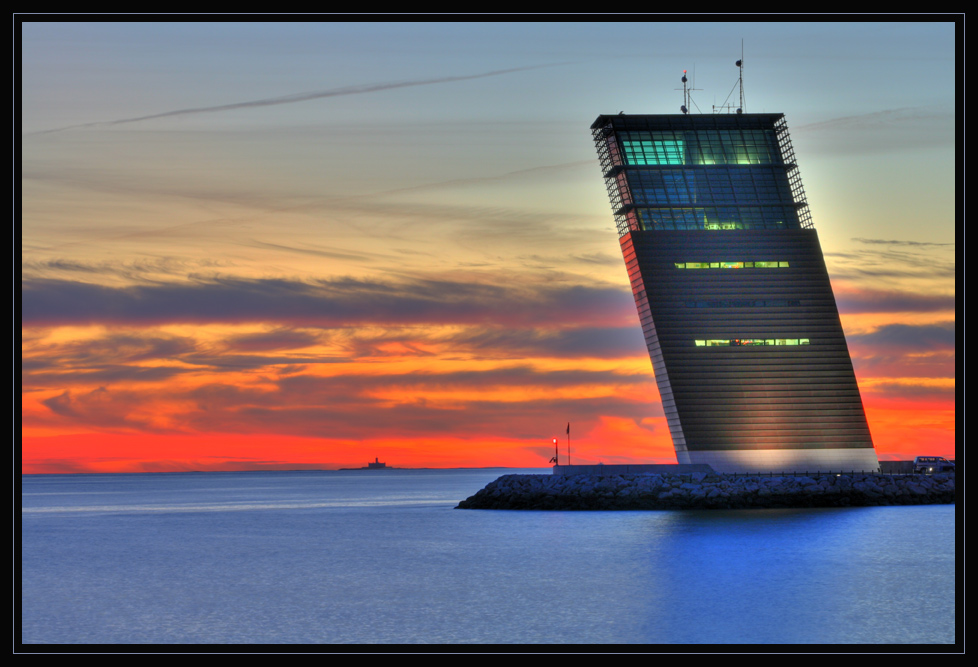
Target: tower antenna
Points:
(740, 84)
(740, 66)
(687, 95)
(685, 106)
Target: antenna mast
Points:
(687, 94)
(740, 84)
(740, 66)
(685, 107)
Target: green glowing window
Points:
(731, 265)
(750, 342)
(740, 147)
(655, 148)
(654, 152)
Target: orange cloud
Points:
(422, 372)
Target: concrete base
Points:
(896, 467)
(785, 460)
(637, 469)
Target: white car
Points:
(927, 465)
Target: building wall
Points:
(739, 316)
(762, 395)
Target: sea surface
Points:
(381, 557)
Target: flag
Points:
(568, 428)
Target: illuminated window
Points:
(733, 146)
(732, 265)
(750, 342)
(660, 206)
(653, 148)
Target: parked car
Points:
(927, 465)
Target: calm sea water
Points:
(382, 557)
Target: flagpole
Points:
(568, 443)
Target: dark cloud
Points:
(924, 351)
(897, 242)
(891, 301)
(603, 258)
(341, 302)
(329, 254)
(908, 390)
(153, 357)
(221, 361)
(133, 270)
(372, 419)
(39, 374)
(578, 342)
(278, 339)
(326, 389)
(909, 337)
(104, 409)
(859, 268)
(111, 348)
(64, 467)
(61, 405)
(515, 402)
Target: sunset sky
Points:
(303, 245)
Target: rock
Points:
(693, 491)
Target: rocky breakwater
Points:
(708, 491)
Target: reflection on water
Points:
(381, 557)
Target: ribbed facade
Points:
(733, 294)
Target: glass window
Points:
(751, 342)
(731, 265)
(653, 148)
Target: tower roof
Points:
(687, 121)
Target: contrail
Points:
(300, 97)
(875, 118)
